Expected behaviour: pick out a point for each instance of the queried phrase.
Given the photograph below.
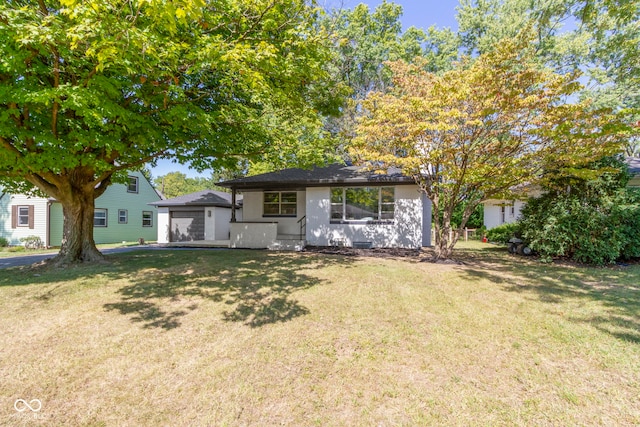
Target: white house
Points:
(204, 216)
(338, 205)
(121, 213)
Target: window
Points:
(100, 218)
(132, 187)
(123, 216)
(362, 204)
(280, 203)
(23, 216)
(147, 219)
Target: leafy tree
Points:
(364, 40)
(176, 184)
(92, 88)
(599, 37)
(476, 131)
(595, 221)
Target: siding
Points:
(493, 212)
(115, 198)
(13, 235)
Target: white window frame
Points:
(149, 220)
(97, 218)
(121, 216)
(133, 180)
(21, 216)
(379, 214)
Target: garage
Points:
(187, 226)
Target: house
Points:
(498, 212)
(121, 214)
(202, 216)
(337, 205)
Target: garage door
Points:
(187, 226)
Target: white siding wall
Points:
(252, 211)
(163, 225)
(493, 216)
(405, 232)
(39, 218)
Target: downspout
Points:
(233, 204)
(48, 226)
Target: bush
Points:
(4, 242)
(592, 222)
(503, 233)
(32, 242)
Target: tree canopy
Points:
(89, 89)
(475, 132)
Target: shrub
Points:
(504, 232)
(32, 242)
(591, 221)
(4, 242)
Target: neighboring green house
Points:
(122, 213)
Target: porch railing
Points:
(302, 222)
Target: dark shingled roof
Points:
(200, 198)
(336, 174)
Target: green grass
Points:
(263, 338)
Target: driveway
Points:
(32, 259)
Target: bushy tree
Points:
(475, 132)
(92, 88)
(594, 221)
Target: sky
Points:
(417, 13)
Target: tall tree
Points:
(475, 132)
(176, 184)
(92, 88)
(364, 40)
(599, 37)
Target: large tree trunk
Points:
(446, 239)
(77, 237)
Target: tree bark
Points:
(446, 238)
(78, 245)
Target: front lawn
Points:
(262, 338)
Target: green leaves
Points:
(480, 129)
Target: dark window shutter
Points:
(14, 216)
(31, 226)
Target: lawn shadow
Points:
(616, 288)
(256, 286)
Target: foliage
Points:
(475, 132)
(504, 232)
(590, 221)
(91, 89)
(599, 37)
(476, 219)
(32, 242)
(364, 40)
(176, 184)
(4, 242)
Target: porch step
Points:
(288, 243)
